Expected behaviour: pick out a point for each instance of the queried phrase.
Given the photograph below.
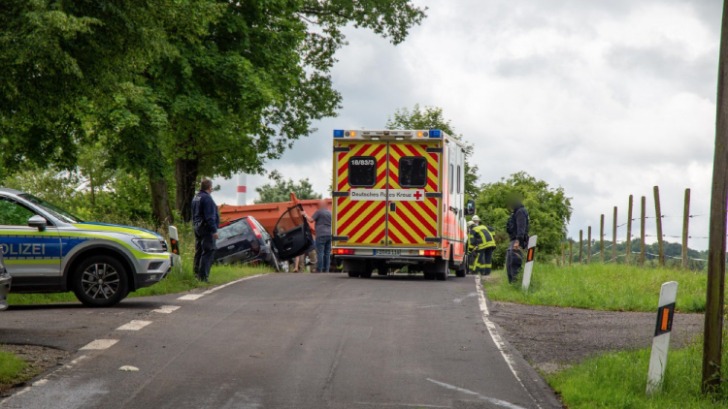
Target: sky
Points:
(602, 98)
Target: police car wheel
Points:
(100, 281)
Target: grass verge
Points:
(612, 287)
(618, 380)
(11, 368)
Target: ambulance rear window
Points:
(413, 171)
(362, 171)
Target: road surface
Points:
(282, 341)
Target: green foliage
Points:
(601, 287)
(549, 211)
(280, 190)
(618, 380)
(11, 368)
(434, 118)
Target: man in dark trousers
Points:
(481, 244)
(205, 220)
(322, 217)
(517, 229)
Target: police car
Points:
(46, 249)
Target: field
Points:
(613, 287)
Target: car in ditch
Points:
(47, 249)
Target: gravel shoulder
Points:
(551, 338)
(39, 359)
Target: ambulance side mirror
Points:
(470, 208)
(38, 222)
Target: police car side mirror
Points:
(470, 208)
(38, 222)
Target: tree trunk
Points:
(160, 200)
(186, 171)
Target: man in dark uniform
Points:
(205, 220)
(517, 229)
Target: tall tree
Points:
(241, 94)
(433, 118)
(280, 189)
(549, 210)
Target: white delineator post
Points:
(242, 189)
(528, 270)
(661, 341)
(174, 247)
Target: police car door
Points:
(32, 257)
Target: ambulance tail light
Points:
(430, 253)
(343, 252)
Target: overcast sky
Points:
(602, 98)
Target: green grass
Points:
(614, 287)
(618, 380)
(11, 367)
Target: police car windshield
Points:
(60, 214)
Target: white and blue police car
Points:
(46, 249)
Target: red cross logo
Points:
(418, 195)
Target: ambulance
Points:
(399, 200)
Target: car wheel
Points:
(100, 281)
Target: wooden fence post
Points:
(658, 218)
(628, 255)
(588, 245)
(686, 223)
(581, 244)
(643, 248)
(601, 238)
(571, 251)
(614, 236)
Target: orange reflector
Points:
(529, 257)
(665, 319)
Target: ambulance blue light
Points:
(435, 133)
(338, 133)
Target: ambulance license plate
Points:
(388, 252)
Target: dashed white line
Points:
(495, 336)
(194, 297)
(134, 325)
(166, 309)
(497, 402)
(99, 344)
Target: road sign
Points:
(528, 270)
(661, 341)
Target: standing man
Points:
(481, 244)
(205, 220)
(517, 228)
(322, 218)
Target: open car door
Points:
(292, 235)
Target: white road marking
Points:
(399, 405)
(495, 336)
(494, 401)
(166, 309)
(99, 344)
(129, 368)
(194, 297)
(75, 362)
(134, 325)
(40, 382)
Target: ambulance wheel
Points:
(429, 276)
(353, 274)
(460, 272)
(100, 281)
(443, 270)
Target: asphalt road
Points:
(282, 341)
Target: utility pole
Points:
(643, 248)
(628, 254)
(658, 218)
(614, 235)
(686, 224)
(588, 245)
(713, 335)
(601, 238)
(581, 244)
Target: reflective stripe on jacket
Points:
(480, 238)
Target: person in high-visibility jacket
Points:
(481, 244)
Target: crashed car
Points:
(5, 281)
(245, 241)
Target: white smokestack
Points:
(242, 189)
